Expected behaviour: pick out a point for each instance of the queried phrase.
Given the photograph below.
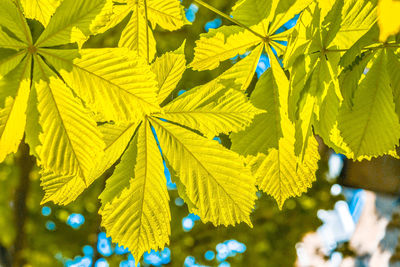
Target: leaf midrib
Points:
(81, 175)
(71, 24)
(200, 163)
(250, 44)
(99, 77)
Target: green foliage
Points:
(83, 109)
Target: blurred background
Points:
(350, 217)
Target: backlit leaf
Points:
(216, 180)
(139, 218)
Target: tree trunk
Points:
(25, 163)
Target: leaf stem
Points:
(213, 9)
(147, 32)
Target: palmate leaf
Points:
(329, 25)
(206, 185)
(70, 140)
(371, 126)
(41, 10)
(228, 41)
(74, 21)
(139, 218)
(314, 72)
(216, 180)
(118, 103)
(13, 107)
(271, 153)
(113, 81)
(329, 127)
(58, 120)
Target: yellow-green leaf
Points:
(113, 81)
(41, 10)
(116, 138)
(9, 61)
(357, 17)
(286, 10)
(221, 44)
(123, 173)
(393, 67)
(166, 13)
(75, 21)
(257, 137)
(139, 218)
(134, 36)
(231, 112)
(119, 13)
(239, 76)
(8, 42)
(61, 189)
(281, 174)
(388, 18)
(216, 180)
(278, 170)
(371, 126)
(13, 114)
(169, 69)
(243, 71)
(70, 141)
(58, 187)
(251, 12)
(13, 19)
